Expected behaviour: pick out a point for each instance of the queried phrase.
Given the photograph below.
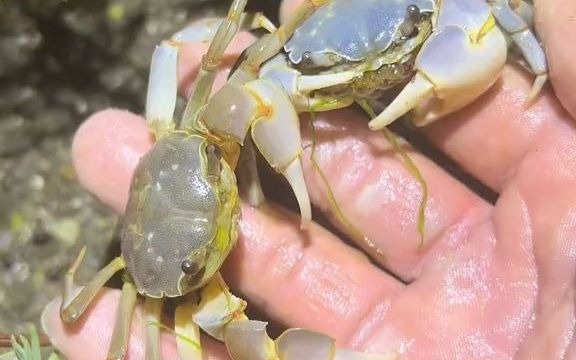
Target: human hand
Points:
(493, 281)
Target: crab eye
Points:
(214, 151)
(213, 155)
(408, 27)
(413, 13)
(189, 267)
(307, 57)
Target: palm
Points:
(491, 282)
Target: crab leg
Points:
(188, 333)
(72, 308)
(523, 37)
(477, 50)
(263, 106)
(162, 88)
(248, 339)
(163, 79)
(120, 335)
(261, 21)
(221, 314)
(210, 62)
(153, 311)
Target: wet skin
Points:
(493, 281)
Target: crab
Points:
(183, 210)
(445, 54)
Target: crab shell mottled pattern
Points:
(368, 27)
(177, 212)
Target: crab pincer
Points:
(462, 59)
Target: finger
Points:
(491, 137)
(476, 303)
(287, 7)
(89, 337)
(126, 138)
(308, 279)
(555, 22)
(544, 182)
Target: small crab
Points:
(445, 53)
(183, 210)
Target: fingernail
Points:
(46, 319)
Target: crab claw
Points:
(263, 107)
(460, 61)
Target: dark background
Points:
(60, 61)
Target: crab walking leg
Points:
(210, 63)
(162, 88)
(261, 21)
(477, 50)
(270, 44)
(263, 106)
(69, 286)
(153, 313)
(163, 79)
(523, 37)
(249, 340)
(187, 332)
(201, 31)
(72, 308)
(221, 314)
(525, 10)
(121, 332)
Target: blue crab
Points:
(446, 54)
